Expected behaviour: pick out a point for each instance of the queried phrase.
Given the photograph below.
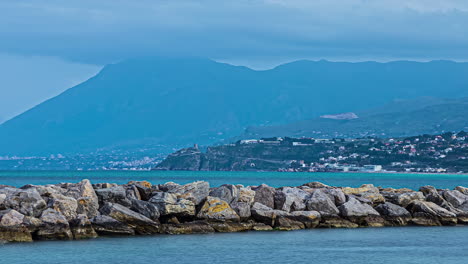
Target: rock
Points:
(67, 206)
(457, 199)
(364, 188)
(242, 209)
(12, 228)
(265, 214)
(132, 193)
(55, 227)
(264, 194)
(336, 195)
(26, 201)
(195, 227)
(336, 222)
(261, 227)
(86, 196)
(429, 213)
(321, 203)
(403, 199)
(142, 224)
(226, 192)
(82, 228)
(246, 195)
(145, 208)
(169, 204)
(394, 215)
(87, 206)
(116, 194)
(432, 195)
(106, 225)
(362, 214)
(366, 193)
(195, 192)
(462, 189)
(286, 223)
(310, 219)
(216, 209)
(144, 189)
(316, 185)
(228, 227)
(288, 199)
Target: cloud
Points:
(109, 30)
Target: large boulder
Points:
(310, 219)
(246, 195)
(26, 201)
(142, 224)
(432, 195)
(216, 209)
(145, 208)
(264, 214)
(12, 228)
(115, 194)
(362, 214)
(170, 204)
(228, 227)
(429, 213)
(84, 193)
(196, 192)
(368, 192)
(403, 199)
(393, 214)
(67, 206)
(322, 203)
(462, 189)
(336, 195)
(82, 228)
(194, 227)
(56, 226)
(290, 199)
(457, 199)
(264, 194)
(242, 209)
(226, 192)
(106, 225)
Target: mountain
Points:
(173, 102)
(397, 119)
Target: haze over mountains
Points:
(180, 101)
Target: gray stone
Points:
(25, 201)
(82, 228)
(265, 214)
(169, 204)
(145, 208)
(353, 208)
(242, 209)
(116, 194)
(321, 203)
(226, 192)
(67, 206)
(216, 209)
(55, 227)
(264, 194)
(431, 214)
(106, 225)
(246, 195)
(456, 199)
(394, 215)
(142, 224)
(195, 192)
(290, 199)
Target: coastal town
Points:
(444, 153)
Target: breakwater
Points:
(84, 210)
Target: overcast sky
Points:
(47, 46)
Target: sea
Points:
(362, 245)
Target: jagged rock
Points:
(242, 209)
(216, 209)
(265, 214)
(336, 195)
(261, 227)
(321, 203)
(432, 195)
(87, 206)
(195, 192)
(286, 223)
(462, 189)
(145, 208)
(393, 214)
(429, 213)
(55, 226)
(82, 228)
(84, 193)
(364, 188)
(142, 224)
(12, 228)
(25, 201)
(264, 194)
(288, 199)
(226, 192)
(316, 185)
(132, 193)
(106, 225)
(310, 219)
(67, 206)
(403, 199)
(367, 193)
(169, 204)
(457, 199)
(195, 227)
(144, 189)
(246, 195)
(362, 214)
(116, 194)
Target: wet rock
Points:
(55, 227)
(140, 223)
(216, 209)
(169, 204)
(242, 209)
(195, 227)
(106, 225)
(394, 215)
(82, 228)
(336, 222)
(226, 192)
(321, 203)
(261, 227)
(229, 227)
(310, 219)
(264, 194)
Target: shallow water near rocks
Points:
(363, 245)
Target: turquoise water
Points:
(276, 179)
(427, 245)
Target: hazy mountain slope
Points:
(177, 102)
(400, 118)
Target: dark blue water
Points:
(276, 179)
(427, 245)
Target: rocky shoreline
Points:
(83, 210)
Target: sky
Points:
(47, 46)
